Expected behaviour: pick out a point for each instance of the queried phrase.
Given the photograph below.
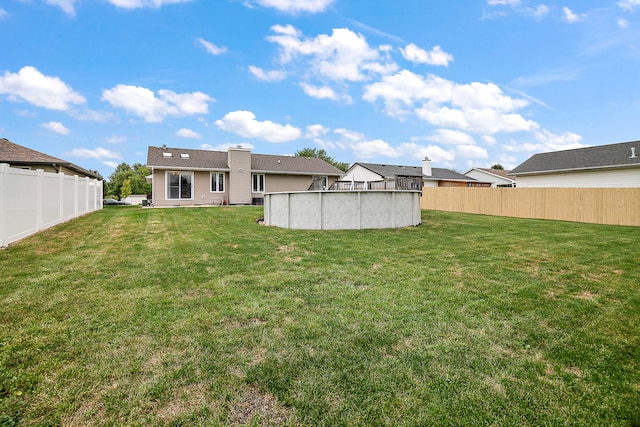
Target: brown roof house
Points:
(21, 157)
(497, 177)
(186, 177)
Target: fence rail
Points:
(31, 201)
(617, 206)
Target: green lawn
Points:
(201, 316)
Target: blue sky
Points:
(467, 83)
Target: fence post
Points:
(76, 181)
(4, 169)
(39, 195)
(61, 196)
(86, 194)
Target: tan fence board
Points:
(617, 206)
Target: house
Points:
(497, 177)
(21, 157)
(613, 166)
(383, 176)
(186, 177)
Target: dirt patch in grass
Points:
(585, 295)
(184, 401)
(260, 408)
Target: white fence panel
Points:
(31, 201)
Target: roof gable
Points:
(598, 157)
(11, 152)
(505, 174)
(15, 154)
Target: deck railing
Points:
(399, 183)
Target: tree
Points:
(497, 166)
(125, 190)
(136, 175)
(322, 154)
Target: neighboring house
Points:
(613, 166)
(383, 176)
(135, 199)
(185, 177)
(21, 157)
(497, 177)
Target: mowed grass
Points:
(201, 316)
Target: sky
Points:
(467, 83)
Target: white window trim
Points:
(224, 183)
(166, 185)
(264, 184)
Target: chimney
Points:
(633, 153)
(426, 167)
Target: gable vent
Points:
(166, 154)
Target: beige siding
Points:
(278, 183)
(202, 194)
(618, 206)
(239, 183)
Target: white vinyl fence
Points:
(31, 201)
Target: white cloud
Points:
(269, 76)
(188, 133)
(144, 103)
(474, 107)
(341, 56)
(212, 48)
(3, 14)
(56, 127)
(67, 6)
(98, 154)
(417, 55)
(377, 148)
(110, 164)
(32, 86)
(622, 23)
(113, 139)
(467, 151)
(629, 5)
(448, 136)
(315, 131)
(548, 141)
(569, 16)
(244, 123)
(297, 6)
(135, 4)
(503, 2)
(540, 11)
(324, 92)
(225, 147)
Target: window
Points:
(258, 183)
(320, 183)
(179, 185)
(217, 182)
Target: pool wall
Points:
(342, 210)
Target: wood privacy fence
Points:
(31, 201)
(617, 206)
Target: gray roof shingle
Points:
(218, 160)
(392, 171)
(598, 157)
